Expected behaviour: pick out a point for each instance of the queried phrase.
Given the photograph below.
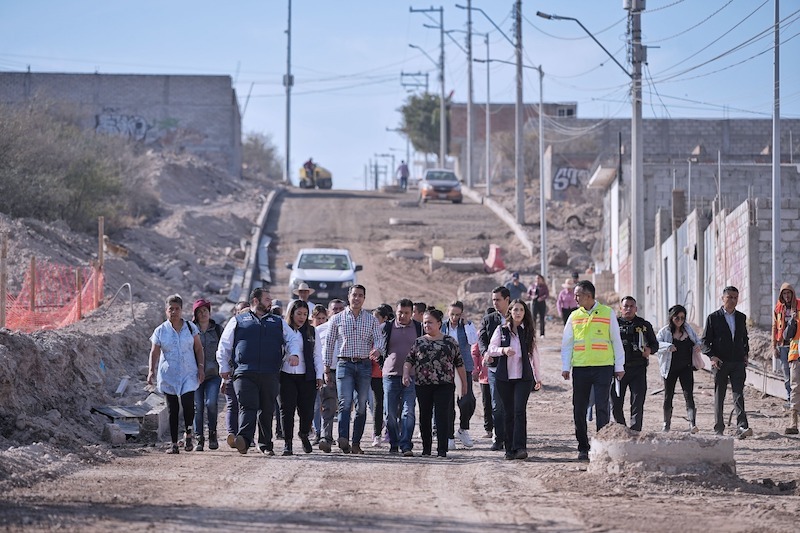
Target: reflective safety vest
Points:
(591, 345)
(794, 352)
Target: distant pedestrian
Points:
(592, 354)
(402, 172)
(435, 359)
(565, 303)
(727, 344)
(177, 366)
(538, 294)
(677, 344)
(516, 289)
(207, 394)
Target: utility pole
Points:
(638, 56)
(470, 93)
(777, 273)
(442, 110)
(519, 160)
(288, 81)
(542, 206)
(488, 122)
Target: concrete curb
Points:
(251, 259)
(503, 215)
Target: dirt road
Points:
(473, 489)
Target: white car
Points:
(329, 271)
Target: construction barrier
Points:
(53, 296)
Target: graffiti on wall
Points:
(569, 177)
(114, 122)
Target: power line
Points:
(534, 26)
(690, 28)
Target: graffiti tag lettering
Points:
(569, 177)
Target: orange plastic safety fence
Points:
(55, 298)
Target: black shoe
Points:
(583, 456)
(521, 454)
(213, 444)
(266, 451)
(287, 451)
(199, 446)
(325, 446)
(408, 453)
(497, 446)
(188, 442)
(509, 456)
(394, 449)
(343, 445)
(306, 443)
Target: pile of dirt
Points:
(50, 380)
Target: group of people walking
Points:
(327, 361)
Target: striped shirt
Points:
(357, 336)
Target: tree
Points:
(421, 122)
(260, 159)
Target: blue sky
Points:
(712, 59)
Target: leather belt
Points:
(353, 359)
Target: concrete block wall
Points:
(765, 296)
(195, 114)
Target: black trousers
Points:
(257, 395)
(538, 309)
(635, 378)
(428, 397)
(735, 373)
(187, 402)
(297, 393)
(466, 408)
(684, 374)
(486, 400)
(583, 379)
(565, 314)
(515, 393)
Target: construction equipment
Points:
(321, 178)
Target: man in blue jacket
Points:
(251, 352)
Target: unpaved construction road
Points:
(473, 489)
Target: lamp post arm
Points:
(584, 28)
(459, 6)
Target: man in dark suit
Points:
(726, 343)
(501, 299)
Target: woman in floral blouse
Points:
(434, 359)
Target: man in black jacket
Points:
(639, 342)
(501, 299)
(726, 343)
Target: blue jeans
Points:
(397, 396)
(498, 413)
(353, 379)
(206, 395)
(783, 358)
(318, 413)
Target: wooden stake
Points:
(100, 248)
(3, 279)
(79, 286)
(33, 285)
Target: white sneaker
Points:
(376, 441)
(451, 444)
(463, 436)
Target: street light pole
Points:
(488, 123)
(638, 56)
(288, 81)
(470, 93)
(519, 160)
